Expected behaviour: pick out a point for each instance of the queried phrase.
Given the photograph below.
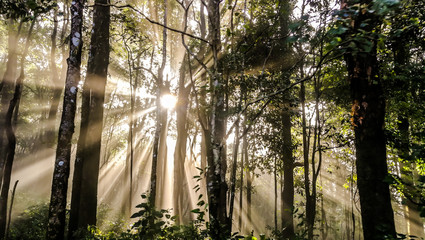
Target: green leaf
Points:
(196, 210)
(201, 203)
(137, 214)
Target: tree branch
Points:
(152, 21)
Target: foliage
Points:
(157, 224)
(25, 9)
(31, 224)
(151, 223)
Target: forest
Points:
(212, 119)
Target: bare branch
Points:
(149, 71)
(186, 11)
(152, 21)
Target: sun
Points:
(168, 101)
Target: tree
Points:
(57, 207)
(86, 173)
(216, 172)
(56, 76)
(10, 126)
(287, 197)
(7, 85)
(161, 119)
(368, 114)
(181, 193)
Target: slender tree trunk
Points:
(56, 83)
(306, 158)
(159, 113)
(275, 194)
(202, 92)
(368, 114)
(242, 167)
(131, 125)
(323, 220)
(162, 153)
(234, 168)
(57, 208)
(249, 186)
(11, 137)
(180, 184)
(311, 214)
(237, 139)
(288, 174)
(10, 209)
(58, 87)
(352, 201)
(85, 182)
(7, 85)
(244, 161)
(249, 189)
(130, 148)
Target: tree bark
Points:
(7, 85)
(244, 161)
(306, 149)
(275, 193)
(249, 190)
(234, 168)
(86, 173)
(11, 137)
(216, 174)
(368, 114)
(287, 196)
(57, 208)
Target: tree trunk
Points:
(275, 193)
(11, 137)
(56, 83)
(234, 168)
(85, 181)
(7, 85)
(306, 147)
(128, 173)
(244, 161)
(244, 157)
(217, 186)
(368, 113)
(57, 208)
(249, 189)
(160, 113)
(180, 183)
(287, 196)
(249, 186)
(311, 209)
(162, 154)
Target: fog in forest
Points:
(193, 119)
